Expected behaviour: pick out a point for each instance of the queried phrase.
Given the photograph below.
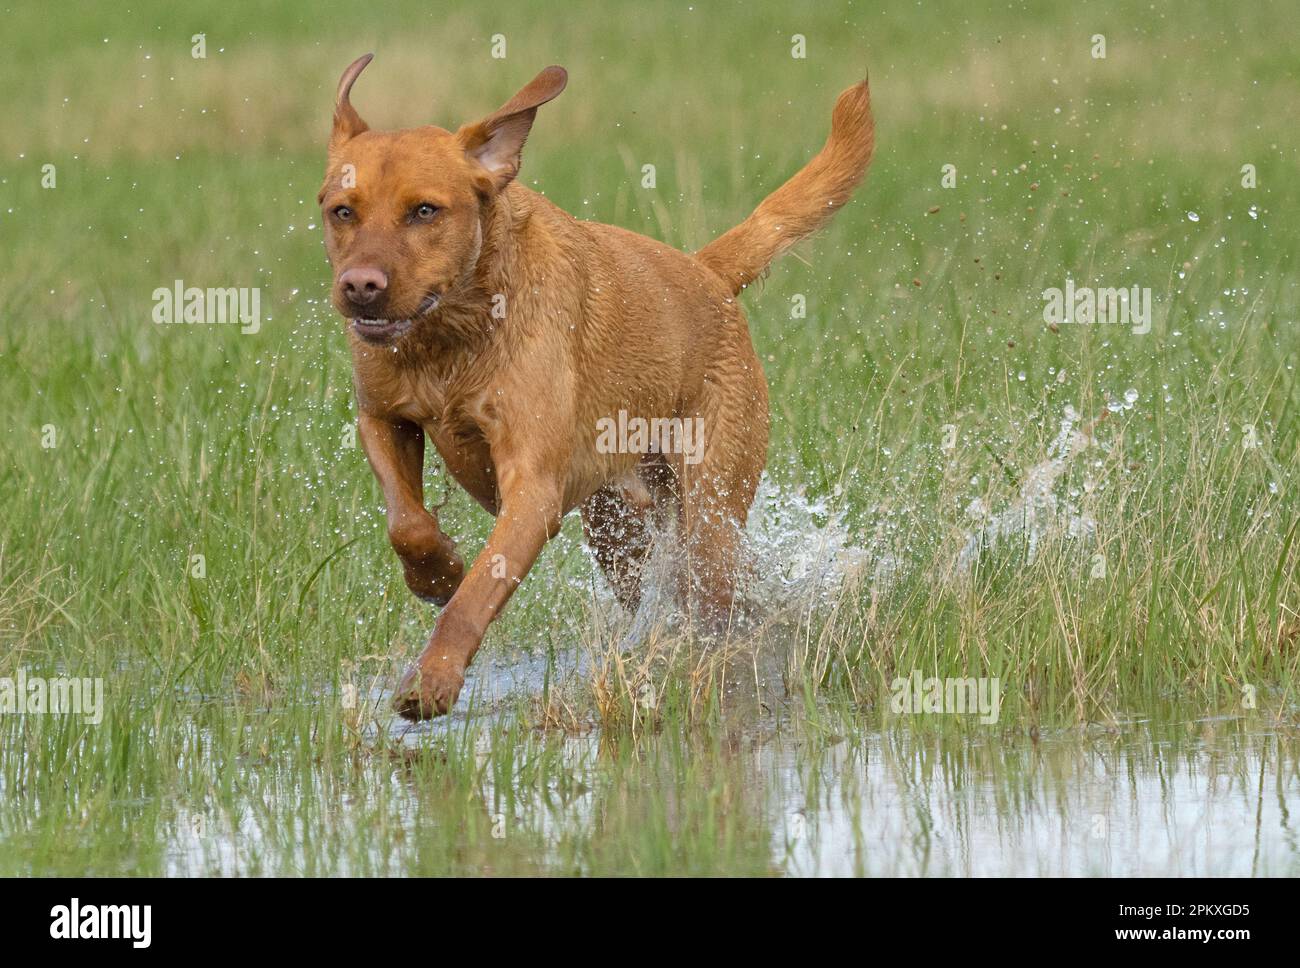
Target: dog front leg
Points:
(530, 516)
(430, 564)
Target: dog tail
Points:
(803, 204)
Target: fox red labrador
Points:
(516, 337)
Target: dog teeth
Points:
(384, 327)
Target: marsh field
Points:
(1093, 522)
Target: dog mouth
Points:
(380, 330)
(389, 330)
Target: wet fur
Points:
(597, 320)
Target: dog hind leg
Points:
(617, 529)
(718, 490)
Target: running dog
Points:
(483, 318)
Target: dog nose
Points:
(362, 286)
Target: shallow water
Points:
(1125, 803)
(1167, 794)
(771, 788)
(1212, 797)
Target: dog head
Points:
(402, 210)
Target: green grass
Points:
(223, 692)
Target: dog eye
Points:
(425, 211)
(343, 213)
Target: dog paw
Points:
(429, 690)
(435, 581)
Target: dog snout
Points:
(362, 286)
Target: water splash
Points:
(799, 549)
(1036, 514)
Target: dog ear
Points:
(495, 143)
(347, 123)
